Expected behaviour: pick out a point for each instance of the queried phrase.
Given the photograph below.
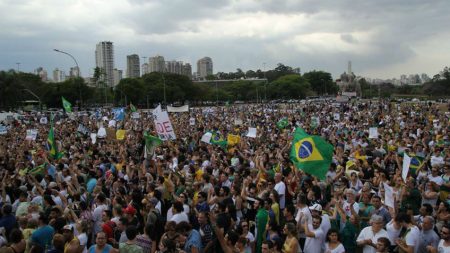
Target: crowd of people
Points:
(109, 195)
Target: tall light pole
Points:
(265, 83)
(164, 87)
(18, 67)
(78, 68)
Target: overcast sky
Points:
(382, 38)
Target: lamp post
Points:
(78, 69)
(164, 87)
(18, 67)
(265, 82)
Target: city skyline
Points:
(383, 39)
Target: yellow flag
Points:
(233, 139)
(120, 134)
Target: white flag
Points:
(406, 163)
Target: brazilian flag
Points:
(67, 105)
(311, 153)
(217, 139)
(51, 144)
(282, 123)
(416, 163)
(39, 170)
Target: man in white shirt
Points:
(368, 237)
(427, 235)
(316, 210)
(435, 177)
(303, 217)
(179, 214)
(409, 243)
(97, 214)
(350, 194)
(315, 237)
(280, 187)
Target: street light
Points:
(164, 86)
(78, 68)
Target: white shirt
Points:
(412, 237)
(303, 215)
(179, 217)
(339, 249)
(280, 187)
(441, 248)
(438, 179)
(367, 233)
(250, 239)
(314, 244)
(83, 241)
(347, 210)
(392, 232)
(326, 224)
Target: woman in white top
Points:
(332, 244)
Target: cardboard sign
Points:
(101, 132)
(31, 135)
(192, 121)
(120, 134)
(373, 133)
(163, 125)
(251, 132)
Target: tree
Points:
(321, 82)
(289, 87)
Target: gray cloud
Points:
(382, 38)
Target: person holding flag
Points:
(51, 144)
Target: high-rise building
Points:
(133, 66)
(145, 69)
(175, 67)
(156, 64)
(58, 76)
(117, 75)
(204, 67)
(42, 73)
(104, 59)
(187, 70)
(74, 72)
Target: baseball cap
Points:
(129, 210)
(316, 207)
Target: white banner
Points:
(135, 115)
(163, 125)
(192, 121)
(31, 135)
(184, 108)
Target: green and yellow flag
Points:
(51, 144)
(233, 139)
(133, 108)
(217, 139)
(67, 105)
(281, 124)
(151, 142)
(311, 153)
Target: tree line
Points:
(282, 82)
